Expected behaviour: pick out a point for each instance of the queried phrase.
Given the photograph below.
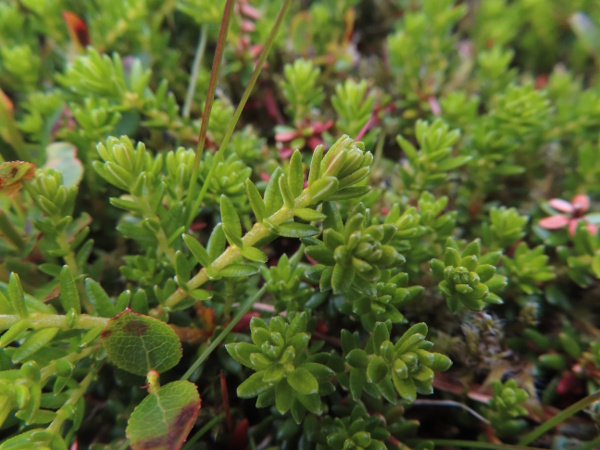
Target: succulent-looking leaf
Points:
(99, 299)
(16, 295)
(254, 254)
(295, 178)
(303, 382)
(34, 342)
(238, 270)
(231, 222)
(164, 418)
(69, 296)
(256, 202)
(197, 249)
(138, 343)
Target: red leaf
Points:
(6, 102)
(244, 323)
(592, 228)
(239, 437)
(581, 203)
(78, 30)
(561, 205)
(554, 222)
(286, 136)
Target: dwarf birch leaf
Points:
(138, 343)
(164, 418)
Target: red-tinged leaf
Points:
(164, 418)
(239, 437)
(593, 229)
(249, 11)
(581, 203)
(78, 30)
(554, 222)
(12, 175)
(225, 395)
(561, 205)
(286, 136)
(5, 102)
(244, 323)
(138, 343)
(573, 226)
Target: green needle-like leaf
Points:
(69, 296)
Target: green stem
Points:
(259, 232)
(202, 431)
(560, 417)
(189, 96)
(37, 321)
(210, 97)
(70, 259)
(163, 239)
(50, 369)
(591, 445)
(64, 413)
(12, 235)
(11, 134)
(238, 112)
(378, 151)
(459, 443)
(223, 334)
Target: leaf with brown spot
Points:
(138, 343)
(12, 175)
(164, 418)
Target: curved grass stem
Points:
(560, 417)
(236, 116)
(247, 306)
(210, 97)
(189, 96)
